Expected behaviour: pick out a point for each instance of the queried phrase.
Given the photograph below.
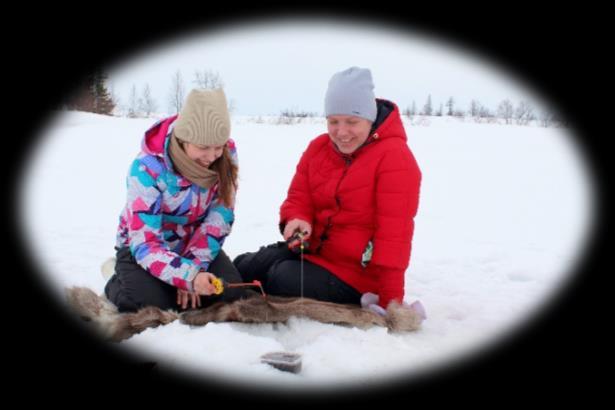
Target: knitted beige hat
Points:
(204, 119)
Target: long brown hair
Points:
(227, 172)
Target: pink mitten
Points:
(370, 301)
(418, 307)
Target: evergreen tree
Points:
(92, 95)
(103, 103)
(450, 105)
(440, 110)
(427, 109)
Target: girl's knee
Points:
(124, 300)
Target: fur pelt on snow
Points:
(279, 309)
(117, 326)
(105, 318)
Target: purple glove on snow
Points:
(370, 301)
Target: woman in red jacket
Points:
(354, 196)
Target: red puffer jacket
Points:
(350, 200)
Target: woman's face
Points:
(348, 132)
(204, 155)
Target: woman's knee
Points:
(239, 259)
(254, 265)
(282, 278)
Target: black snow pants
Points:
(279, 270)
(132, 287)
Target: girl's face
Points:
(348, 132)
(204, 155)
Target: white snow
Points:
(503, 216)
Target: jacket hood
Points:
(388, 122)
(154, 139)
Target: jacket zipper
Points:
(324, 236)
(347, 160)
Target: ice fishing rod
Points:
(299, 236)
(220, 284)
(289, 361)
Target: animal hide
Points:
(279, 309)
(115, 326)
(105, 318)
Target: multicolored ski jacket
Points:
(174, 228)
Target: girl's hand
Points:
(202, 284)
(184, 297)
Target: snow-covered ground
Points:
(503, 215)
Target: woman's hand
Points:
(184, 297)
(202, 284)
(295, 225)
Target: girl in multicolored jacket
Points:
(179, 210)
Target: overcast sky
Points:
(282, 64)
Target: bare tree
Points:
(474, 108)
(524, 113)
(450, 105)
(506, 111)
(133, 102)
(177, 92)
(440, 111)
(147, 103)
(208, 79)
